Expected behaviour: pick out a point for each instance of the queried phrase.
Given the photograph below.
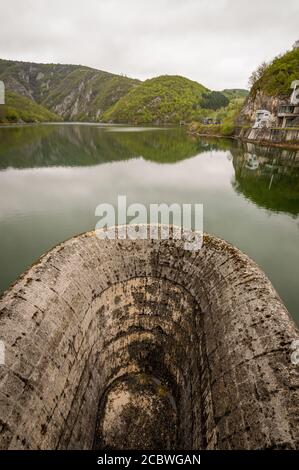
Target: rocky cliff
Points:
(271, 87)
(73, 92)
(260, 100)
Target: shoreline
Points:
(263, 143)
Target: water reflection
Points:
(267, 176)
(52, 177)
(81, 145)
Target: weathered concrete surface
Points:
(289, 137)
(121, 344)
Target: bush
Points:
(227, 128)
(11, 114)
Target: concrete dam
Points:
(141, 344)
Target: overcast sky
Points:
(216, 42)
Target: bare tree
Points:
(257, 74)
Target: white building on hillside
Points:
(288, 114)
(262, 119)
(295, 95)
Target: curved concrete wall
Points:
(142, 344)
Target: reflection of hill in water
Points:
(267, 176)
(77, 145)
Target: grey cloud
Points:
(217, 43)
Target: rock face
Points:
(73, 92)
(142, 344)
(274, 133)
(260, 100)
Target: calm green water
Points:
(53, 176)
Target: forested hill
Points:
(56, 92)
(169, 99)
(161, 99)
(73, 92)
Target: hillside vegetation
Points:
(162, 99)
(233, 93)
(275, 79)
(73, 92)
(53, 92)
(227, 117)
(18, 108)
(214, 100)
(170, 99)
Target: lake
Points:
(52, 177)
